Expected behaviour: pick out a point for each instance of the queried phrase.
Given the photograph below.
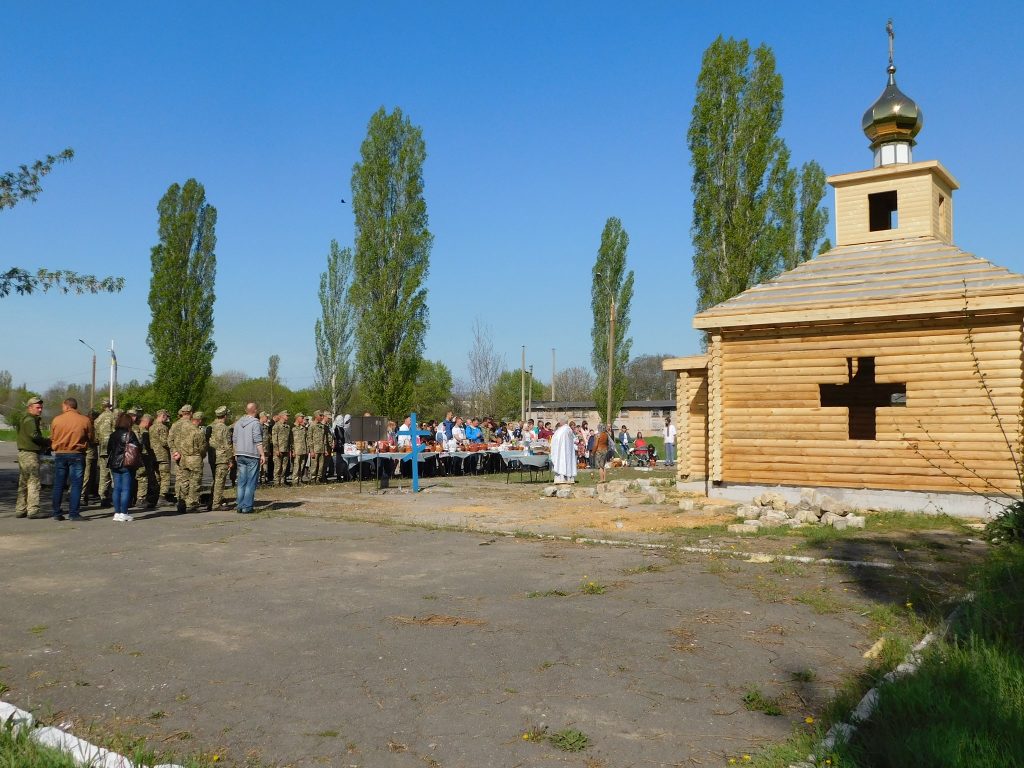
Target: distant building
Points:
(648, 416)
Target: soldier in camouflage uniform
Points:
(161, 454)
(190, 448)
(267, 467)
(145, 475)
(316, 448)
(222, 447)
(90, 461)
(30, 444)
(300, 449)
(104, 427)
(140, 488)
(282, 437)
(184, 422)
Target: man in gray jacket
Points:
(247, 438)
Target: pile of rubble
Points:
(617, 493)
(770, 510)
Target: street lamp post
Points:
(92, 391)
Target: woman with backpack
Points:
(124, 456)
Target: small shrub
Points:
(570, 740)
(593, 588)
(755, 701)
(1008, 526)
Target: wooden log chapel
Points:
(888, 370)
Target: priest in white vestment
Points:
(563, 453)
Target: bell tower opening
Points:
(883, 211)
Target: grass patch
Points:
(8, 435)
(650, 568)
(821, 601)
(788, 568)
(548, 593)
(965, 704)
(804, 676)
(569, 740)
(754, 700)
(38, 629)
(593, 588)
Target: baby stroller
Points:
(644, 456)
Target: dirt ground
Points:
(342, 628)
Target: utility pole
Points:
(552, 373)
(92, 391)
(113, 374)
(529, 393)
(522, 387)
(611, 359)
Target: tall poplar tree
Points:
(745, 192)
(181, 294)
(610, 279)
(334, 330)
(811, 217)
(392, 256)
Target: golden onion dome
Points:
(893, 117)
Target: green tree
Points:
(611, 281)
(392, 255)
(334, 329)
(181, 294)
(743, 188)
(273, 383)
(811, 216)
(647, 381)
(507, 388)
(432, 392)
(24, 184)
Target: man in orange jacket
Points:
(70, 434)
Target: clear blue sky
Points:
(541, 120)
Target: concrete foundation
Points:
(869, 499)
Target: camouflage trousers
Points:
(187, 485)
(90, 463)
(28, 483)
(145, 482)
(106, 485)
(316, 468)
(163, 476)
(280, 464)
(299, 464)
(220, 476)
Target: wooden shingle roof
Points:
(899, 278)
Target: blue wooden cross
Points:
(417, 449)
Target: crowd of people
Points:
(122, 459)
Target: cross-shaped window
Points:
(861, 396)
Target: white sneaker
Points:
(118, 517)
(126, 518)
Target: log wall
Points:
(947, 438)
(692, 425)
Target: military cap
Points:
(198, 415)
(222, 410)
(107, 404)
(185, 409)
(162, 412)
(147, 417)
(284, 413)
(264, 415)
(299, 416)
(136, 411)
(34, 401)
